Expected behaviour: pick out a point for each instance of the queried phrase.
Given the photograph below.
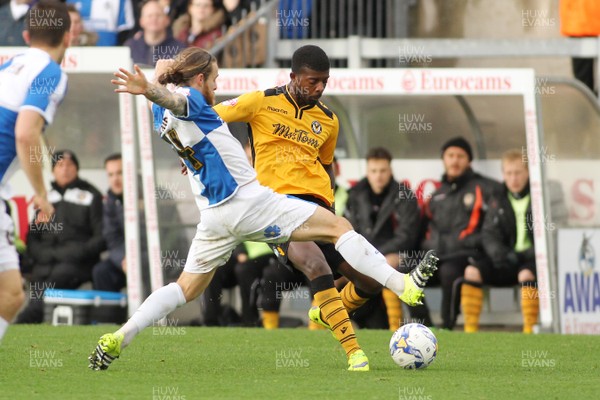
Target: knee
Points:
(472, 274)
(526, 275)
(315, 267)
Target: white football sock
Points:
(3, 327)
(366, 259)
(157, 306)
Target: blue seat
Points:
(85, 297)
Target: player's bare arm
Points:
(136, 83)
(28, 136)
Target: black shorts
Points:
(332, 256)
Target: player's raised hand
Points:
(134, 83)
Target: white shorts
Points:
(9, 258)
(255, 213)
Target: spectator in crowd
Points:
(202, 25)
(155, 41)
(79, 37)
(64, 249)
(110, 19)
(174, 8)
(109, 274)
(386, 213)
(507, 235)
(454, 216)
(581, 18)
(12, 17)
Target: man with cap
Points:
(454, 216)
(63, 250)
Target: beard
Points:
(208, 95)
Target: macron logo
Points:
(277, 110)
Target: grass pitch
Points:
(185, 363)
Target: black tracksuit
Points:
(454, 217)
(64, 250)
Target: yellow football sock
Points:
(394, 308)
(335, 315)
(270, 319)
(352, 300)
(471, 301)
(530, 305)
(313, 326)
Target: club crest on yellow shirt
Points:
(316, 127)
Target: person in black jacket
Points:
(64, 249)
(109, 274)
(507, 235)
(386, 213)
(453, 218)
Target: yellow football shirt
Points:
(289, 143)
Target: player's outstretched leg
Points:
(363, 257)
(157, 306)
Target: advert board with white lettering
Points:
(579, 281)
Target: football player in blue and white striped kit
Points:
(32, 85)
(234, 207)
